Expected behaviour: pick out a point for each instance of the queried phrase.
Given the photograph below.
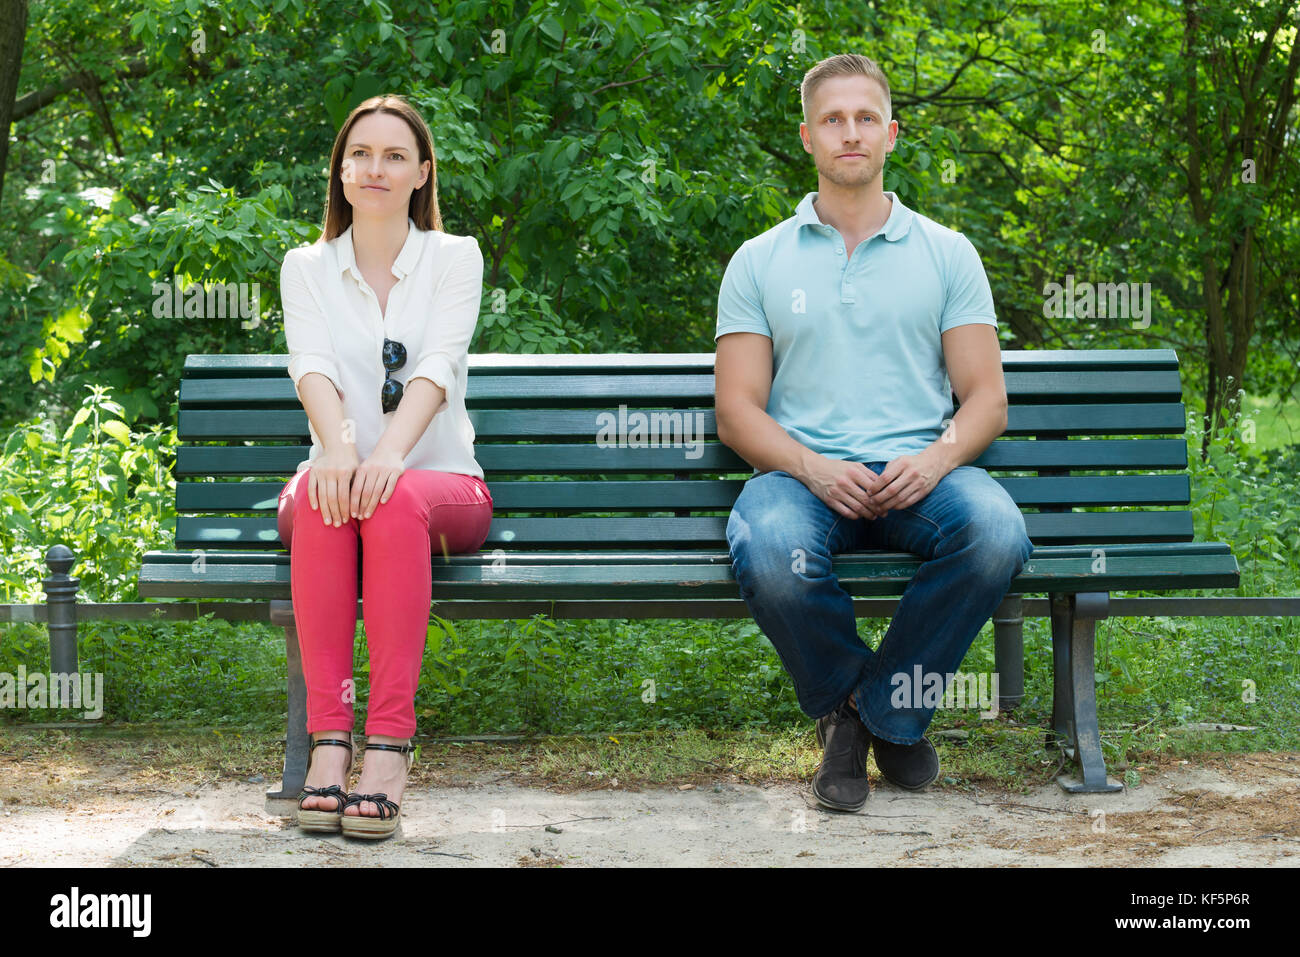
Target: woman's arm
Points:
(414, 413)
(452, 318)
(313, 367)
(329, 485)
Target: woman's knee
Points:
(286, 507)
(404, 504)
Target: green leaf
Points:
(118, 430)
(552, 28)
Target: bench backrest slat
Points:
(572, 458)
(269, 423)
(543, 427)
(707, 495)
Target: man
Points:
(834, 332)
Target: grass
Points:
(716, 691)
(1277, 423)
(724, 703)
(998, 755)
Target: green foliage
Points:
(1246, 497)
(99, 487)
(610, 158)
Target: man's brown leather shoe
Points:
(841, 780)
(913, 767)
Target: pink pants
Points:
(428, 513)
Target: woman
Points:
(378, 317)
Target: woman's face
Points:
(381, 166)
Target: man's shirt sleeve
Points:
(969, 298)
(740, 304)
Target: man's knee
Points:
(1000, 546)
(773, 556)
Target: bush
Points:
(100, 488)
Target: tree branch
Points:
(29, 103)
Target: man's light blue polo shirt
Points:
(858, 370)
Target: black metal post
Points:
(61, 610)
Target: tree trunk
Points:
(13, 34)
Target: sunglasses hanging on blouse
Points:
(390, 394)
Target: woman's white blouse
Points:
(333, 325)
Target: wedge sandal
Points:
(374, 828)
(318, 819)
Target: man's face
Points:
(847, 132)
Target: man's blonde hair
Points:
(843, 64)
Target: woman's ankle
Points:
(402, 740)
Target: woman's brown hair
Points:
(424, 201)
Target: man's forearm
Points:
(980, 420)
(761, 441)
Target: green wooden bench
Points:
(1082, 433)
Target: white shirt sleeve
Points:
(453, 316)
(311, 349)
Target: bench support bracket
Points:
(296, 748)
(1074, 699)
(1009, 651)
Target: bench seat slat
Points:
(674, 531)
(862, 574)
(714, 556)
(671, 557)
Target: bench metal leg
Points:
(1074, 699)
(296, 747)
(1009, 651)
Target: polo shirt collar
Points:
(406, 260)
(895, 228)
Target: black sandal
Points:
(366, 826)
(316, 819)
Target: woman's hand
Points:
(375, 480)
(327, 485)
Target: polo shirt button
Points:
(839, 249)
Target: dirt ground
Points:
(1220, 810)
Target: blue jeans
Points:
(972, 538)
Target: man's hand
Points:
(906, 480)
(375, 479)
(848, 487)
